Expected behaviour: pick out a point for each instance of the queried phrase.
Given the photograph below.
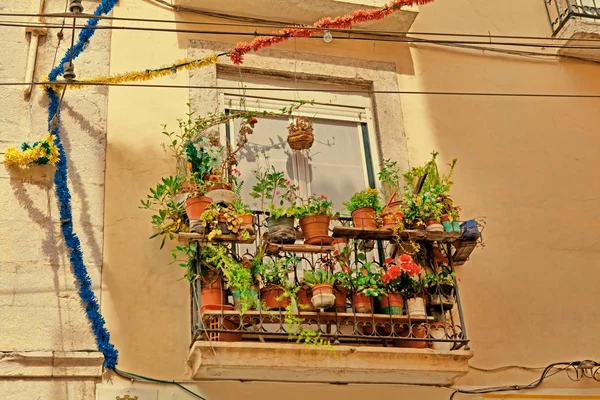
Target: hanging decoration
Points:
(140, 76)
(300, 134)
(92, 308)
(40, 153)
(237, 54)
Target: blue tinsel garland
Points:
(92, 308)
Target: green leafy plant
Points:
(214, 213)
(391, 179)
(444, 277)
(272, 186)
(320, 276)
(365, 278)
(169, 215)
(315, 205)
(273, 272)
(364, 198)
(185, 256)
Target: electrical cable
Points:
(360, 91)
(131, 376)
(584, 365)
(21, 24)
(300, 26)
(504, 368)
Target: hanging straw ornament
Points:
(300, 134)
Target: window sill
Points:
(348, 364)
(308, 11)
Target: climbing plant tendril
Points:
(92, 308)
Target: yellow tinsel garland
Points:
(44, 152)
(139, 76)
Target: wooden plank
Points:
(273, 248)
(274, 317)
(196, 237)
(463, 251)
(385, 234)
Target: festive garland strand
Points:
(42, 152)
(92, 308)
(237, 54)
(139, 76)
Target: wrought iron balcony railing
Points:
(438, 325)
(561, 11)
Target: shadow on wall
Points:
(530, 165)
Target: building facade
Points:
(526, 164)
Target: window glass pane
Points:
(268, 140)
(336, 166)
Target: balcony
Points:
(575, 20)
(307, 11)
(420, 340)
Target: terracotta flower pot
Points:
(304, 296)
(418, 332)
(195, 206)
(392, 304)
(270, 294)
(393, 219)
(433, 225)
(211, 297)
(362, 303)
(322, 296)
(315, 226)
(364, 217)
(224, 324)
(341, 296)
(248, 223)
(211, 280)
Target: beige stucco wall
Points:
(527, 164)
(44, 333)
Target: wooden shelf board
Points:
(273, 248)
(196, 237)
(386, 234)
(322, 317)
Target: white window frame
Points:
(337, 112)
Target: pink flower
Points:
(297, 187)
(287, 183)
(324, 197)
(277, 193)
(364, 272)
(346, 269)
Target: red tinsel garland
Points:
(237, 54)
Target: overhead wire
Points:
(300, 26)
(22, 24)
(133, 377)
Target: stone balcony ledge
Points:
(36, 364)
(347, 364)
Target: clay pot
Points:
(281, 230)
(227, 324)
(303, 299)
(314, 226)
(195, 206)
(270, 294)
(211, 280)
(392, 215)
(415, 308)
(216, 186)
(364, 217)
(362, 303)
(419, 332)
(392, 304)
(437, 331)
(433, 225)
(223, 225)
(341, 295)
(211, 297)
(322, 296)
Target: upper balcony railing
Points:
(430, 318)
(561, 11)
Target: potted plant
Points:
(271, 185)
(243, 212)
(440, 289)
(415, 302)
(274, 277)
(398, 278)
(321, 281)
(364, 207)
(169, 215)
(390, 178)
(314, 217)
(300, 134)
(365, 283)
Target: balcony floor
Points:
(347, 364)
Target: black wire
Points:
(299, 26)
(132, 376)
(545, 375)
(19, 24)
